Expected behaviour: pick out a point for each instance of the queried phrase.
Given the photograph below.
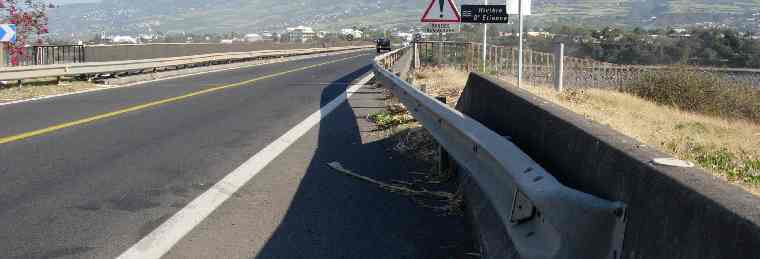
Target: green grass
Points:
(722, 160)
(388, 119)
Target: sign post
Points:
(443, 19)
(7, 37)
(8, 33)
(445, 13)
(485, 14)
(520, 51)
(485, 42)
(520, 7)
(442, 28)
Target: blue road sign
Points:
(8, 33)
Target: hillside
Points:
(135, 16)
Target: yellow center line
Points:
(26, 135)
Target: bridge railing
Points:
(544, 218)
(151, 65)
(48, 55)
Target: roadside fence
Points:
(542, 68)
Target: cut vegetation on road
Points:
(431, 188)
(42, 87)
(726, 146)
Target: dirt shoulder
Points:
(43, 87)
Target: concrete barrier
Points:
(672, 212)
(104, 53)
(206, 69)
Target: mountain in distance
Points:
(65, 2)
(76, 19)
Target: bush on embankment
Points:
(700, 92)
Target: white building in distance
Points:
(253, 37)
(351, 34)
(301, 34)
(124, 40)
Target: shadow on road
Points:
(335, 216)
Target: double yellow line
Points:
(26, 135)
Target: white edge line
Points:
(162, 239)
(109, 87)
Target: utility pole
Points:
(485, 41)
(520, 51)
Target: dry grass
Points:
(728, 148)
(40, 88)
(438, 81)
(699, 92)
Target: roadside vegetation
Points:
(719, 133)
(713, 47)
(433, 188)
(393, 116)
(42, 87)
(699, 92)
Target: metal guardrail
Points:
(544, 218)
(29, 72)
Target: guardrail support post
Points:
(559, 67)
(446, 165)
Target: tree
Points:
(30, 18)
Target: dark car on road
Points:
(383, 44)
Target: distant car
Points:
(383, 44)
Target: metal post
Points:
(416, 57)
(520, 51)
(2, 54)
(485, 41)
(559, 67)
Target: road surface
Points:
(221, 165)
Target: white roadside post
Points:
(485, 42)
(520, 46)
(520, 8)
(559, 64)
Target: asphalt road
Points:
(90, 175)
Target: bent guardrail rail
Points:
(29, 72)
(544, 218)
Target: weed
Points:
(576, 96)
(387, 119)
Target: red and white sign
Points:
(441, 11)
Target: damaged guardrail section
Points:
(30, 72)
(544, 219)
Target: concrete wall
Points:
(672, 212)
(165, 50)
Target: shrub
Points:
(700, 92)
